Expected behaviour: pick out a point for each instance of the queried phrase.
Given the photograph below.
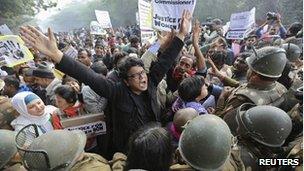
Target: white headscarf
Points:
(25, 118)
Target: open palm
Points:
(44, 44)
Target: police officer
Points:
(261, 132)
(9, 158)
(265, 67)
(57, 150)
(206, 143)
(7, 112)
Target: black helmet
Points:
(268, 61)
(267, 125)
(206, 142)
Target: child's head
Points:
(192, 89)
(66, 96)
(182, 116)
(28, 104)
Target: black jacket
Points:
(123, 108)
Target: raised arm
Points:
(47, 45)
(201, 63)
(167, 58)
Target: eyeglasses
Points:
(138, 75)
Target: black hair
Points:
(134, 39)
(117, 56)
(127, 64)
(150, 148)
(88, 51)
(99, 67)
(67, 78)
(67, 93)
(190, 88)
(12, 80)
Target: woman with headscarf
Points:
(32, 111)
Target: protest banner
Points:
(167, 13)
(96, 28)
(13, 51)
(240, 24)
(91, 124)
(103, 18)
(4, 30)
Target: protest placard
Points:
(145, 15)
(96, 28)
(13, 51)
(103, 18)
(167, 13)
(146, 36)
(240, 24)
(4, 30)
(91, 124)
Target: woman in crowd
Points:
(32, 111)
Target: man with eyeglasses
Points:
(132, 101)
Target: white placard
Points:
(4, 30)
(103, 18)
(96, 28)
(145, 15)
(167, 13)
(91, 129)
(242, 20)
(240, 24)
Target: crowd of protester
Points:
(187, 101)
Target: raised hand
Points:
(44, 44)
(166, 40)
(197, 29)
(185, 24)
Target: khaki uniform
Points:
(246, 93)
(234, 163)
(7, 113)
(92, 162)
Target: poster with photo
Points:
(13, 51)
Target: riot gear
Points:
(267, 125)
(206, 142)
(7, 146)
(293, 52)
(55, 150)
(268, 61)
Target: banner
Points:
(4, 30)
(240, 24)
(103, 18)
(13, 51)
(91, 124)
(96, 28)
(167, 13)
(145, 15)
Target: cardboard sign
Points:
(96, 28)
(240, 24)
(145, 15)
(4, 30)
(103, 18)
(13, 51)
(167, 13)
(91, 124)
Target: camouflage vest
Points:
(7, 113)
(273, 96)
